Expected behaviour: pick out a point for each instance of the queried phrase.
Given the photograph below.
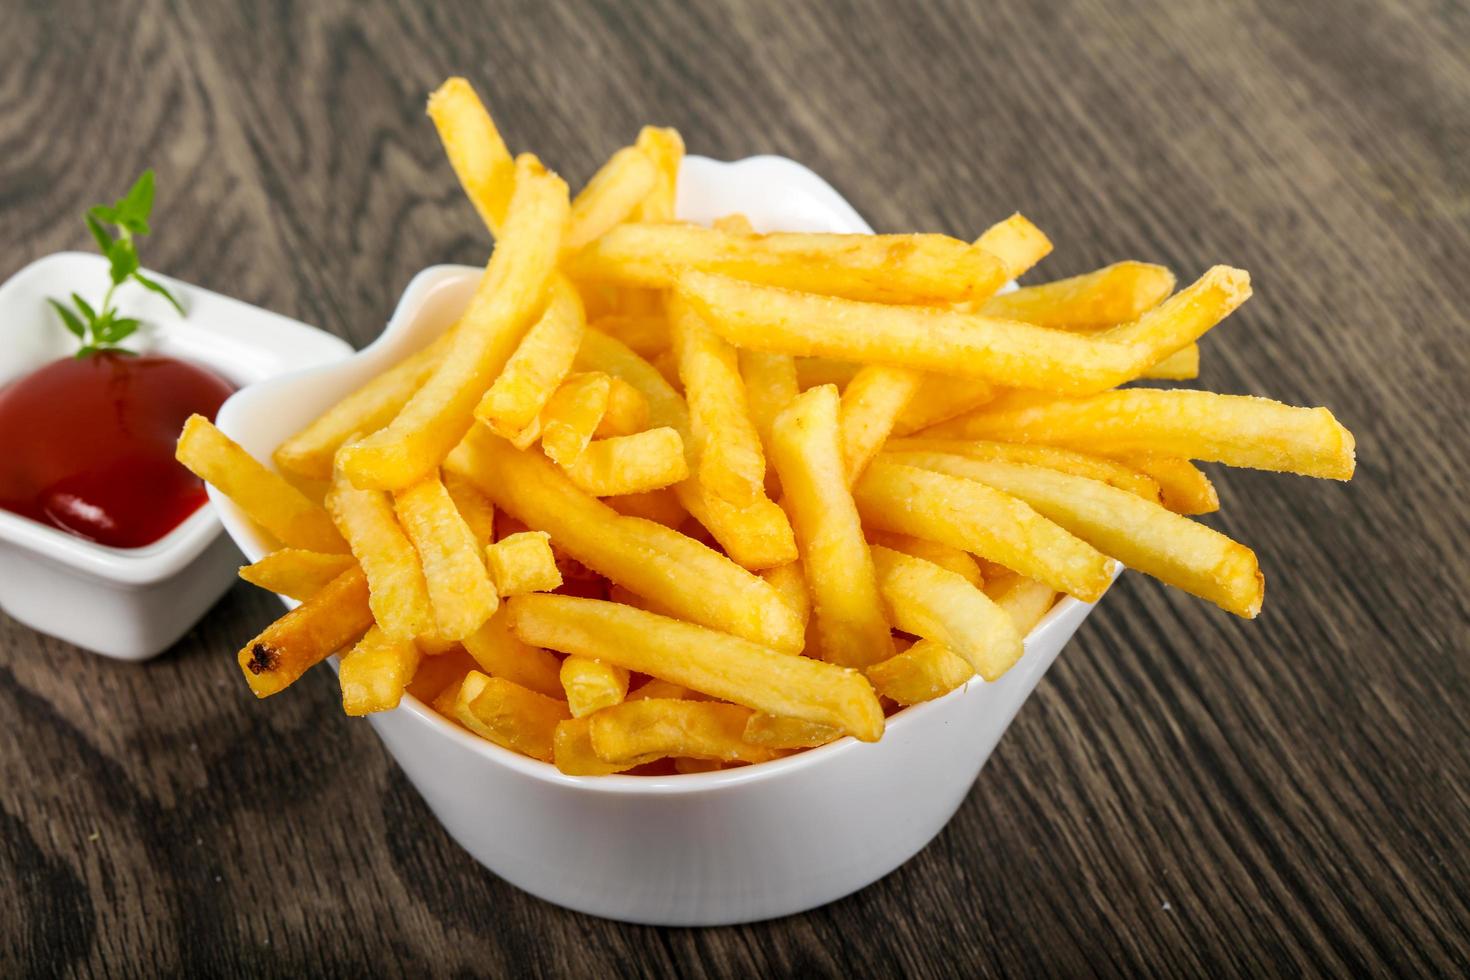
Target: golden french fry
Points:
(932, 602)
(311, 451)
(647, 460)
(665, 147)
(1141, 534)
(808, 457)
(878, 268)
(444, 702)
(770, 385)
(649, 559)
(719, 664)
(627, 411)
(1184, 488)
(591, 685)
(871, 404)
(475, 149)
(573, 414)
(646, 334)
(1017, 243)
(962, 563)
(613, 193)
(734, 224)
(523, 562)
(509, 715)
(572, 752)
(307, 635)
(1183, 318)
(505, 303)
(690, 729)
(1024, 599)
(399, 595)
(655, 688)
(265, 496)
(940, 399)
(660, 506)
(690, 767)
(497, 652)
(460, 590)
(813, 372)
(1107, 470)
(731, 462)
(375, 673)
(788, 580)
(775, 732)
(923, 672)
(476, 509)
(297, 573)
(1238, 430)
(435, 673)
(923, 338)
(754, 537)
(1116, 294)
(892, 496)
(539, 365)
(1182, 365)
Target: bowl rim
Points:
(794, 176)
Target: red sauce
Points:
(87, 445)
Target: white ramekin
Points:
(133, 603)
(707, 849)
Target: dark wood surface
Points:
(1185, 793)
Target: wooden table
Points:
(1185, 792)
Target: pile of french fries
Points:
(670, 498)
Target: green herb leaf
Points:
(69, 320)
(121, 328)
(84, 306)
(104, 239)
(104, 212)
(138, 202)
(124, 258)
(158, 288)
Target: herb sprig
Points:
(103, 329)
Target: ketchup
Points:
(87, 445)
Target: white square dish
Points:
(708, 849)
(133, 603)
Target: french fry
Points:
(573, 414)
(627, 411)
(645, 334)
(647, 460)
(655, 688)
(788, 580)
(813, 372)
(733, 224)
(892, 496)
(925, 671)
(436, 673)
(755, 537)
(523, 562)
(665, 148)
(1024, 599)
(311, 451)
(509, 715)
(877, 268)
(297, 573)
(265, 496)
(770, 385)
(807, 454)
(944, 555)
(475, 149)
(505, 303)
(613, 193)
(719, 664)
(660, 506)
(497, 652)
(1182, 365)
(1017, 243)
(923, 338)
(591, 685)
(932, 602)
(399, 595)
(1079, 464)
(375, 672)
(645, 557)
(732, 464)
(572, 752)
(476, 509)
(1184, 317)
(1141, 534)
(444, 702)
(871, 404)
(307, 635)
(460, 590)
(690, 729)
(940, 399)
(1238, 430)
(1094, 301)
(1182, 485)
(685, 766)
(775, 732)
(539, 365)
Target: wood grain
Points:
(1184, 794)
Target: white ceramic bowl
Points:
(133, 603)
(708, 849)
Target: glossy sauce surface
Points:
(87, 445)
